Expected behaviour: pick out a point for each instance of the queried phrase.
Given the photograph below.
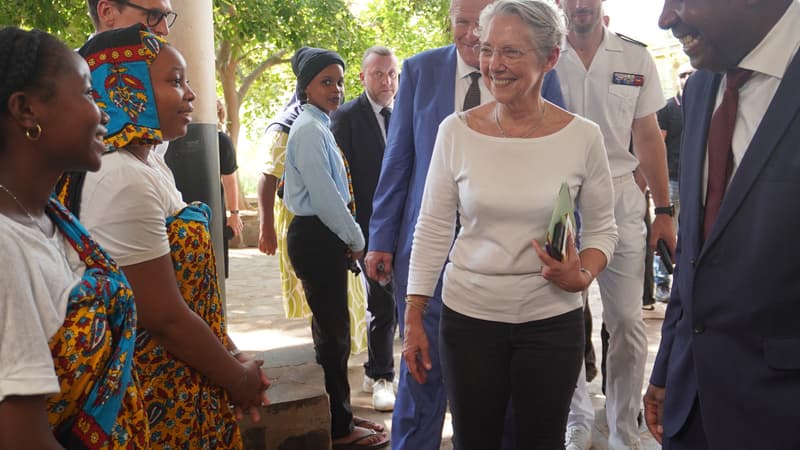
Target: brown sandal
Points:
(354, 444)
(366, 423)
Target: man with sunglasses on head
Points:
(113, 14)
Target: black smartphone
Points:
(554, 246)
(663, 253)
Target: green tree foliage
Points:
(256, 38)
(66, 19)
(409, 26)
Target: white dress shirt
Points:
(769, 61)
(463, 81)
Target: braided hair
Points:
(29, 61)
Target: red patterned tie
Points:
(720, 153)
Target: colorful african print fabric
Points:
(187, 411)
(120, 61)
(100, 403)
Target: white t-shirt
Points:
(38, 274)
(125, 205)
(620, 85)
(504, 190)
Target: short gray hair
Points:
(379, 50)
(544, 23)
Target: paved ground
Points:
(257, 322)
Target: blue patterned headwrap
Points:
(120, 64)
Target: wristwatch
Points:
(234, 211)
(668, 210)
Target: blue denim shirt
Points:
(315, 178)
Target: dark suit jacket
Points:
(359, 136)
(731, 336)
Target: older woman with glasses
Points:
(511, 313)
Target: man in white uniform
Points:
(612, 80)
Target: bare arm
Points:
(23, 424)
(162, 311)
(267, 239)
(231, 184)
(652, 154)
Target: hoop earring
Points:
(34, 133)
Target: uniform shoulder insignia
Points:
(631, 40)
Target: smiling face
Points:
(173, 95)
(508, 61)
(716, 34)
(464, 16)
(326, 89)
(72, 124)
(583, 16)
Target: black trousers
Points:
(319, 260)
(535, 364)
(381, 326)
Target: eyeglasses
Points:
(154, 16)
(380, 75)
(508, 54)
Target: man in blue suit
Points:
(727, 373)
(433, 84)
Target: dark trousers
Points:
(381, 325)
(692, 436)
(535, 364)
(318, 258)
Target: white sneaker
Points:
(366, 385)
(578, 437)
(382, 396)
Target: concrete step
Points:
(298, 416)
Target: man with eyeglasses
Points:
(612, 80)
(113, 14)
(433, 85)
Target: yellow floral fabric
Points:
(185, 410)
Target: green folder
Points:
(562, 224)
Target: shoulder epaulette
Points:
(631, 40)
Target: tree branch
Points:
(276, 58)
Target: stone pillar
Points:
(194, 159)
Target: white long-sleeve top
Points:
(504, 190)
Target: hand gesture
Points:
(236, 224)
(250, 392)
(379, 266)
(654, 411)
(415, 345)
(267, 239)
(565, 274)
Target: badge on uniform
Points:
(627, 79)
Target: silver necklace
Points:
(24, 209)
(527, 134)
